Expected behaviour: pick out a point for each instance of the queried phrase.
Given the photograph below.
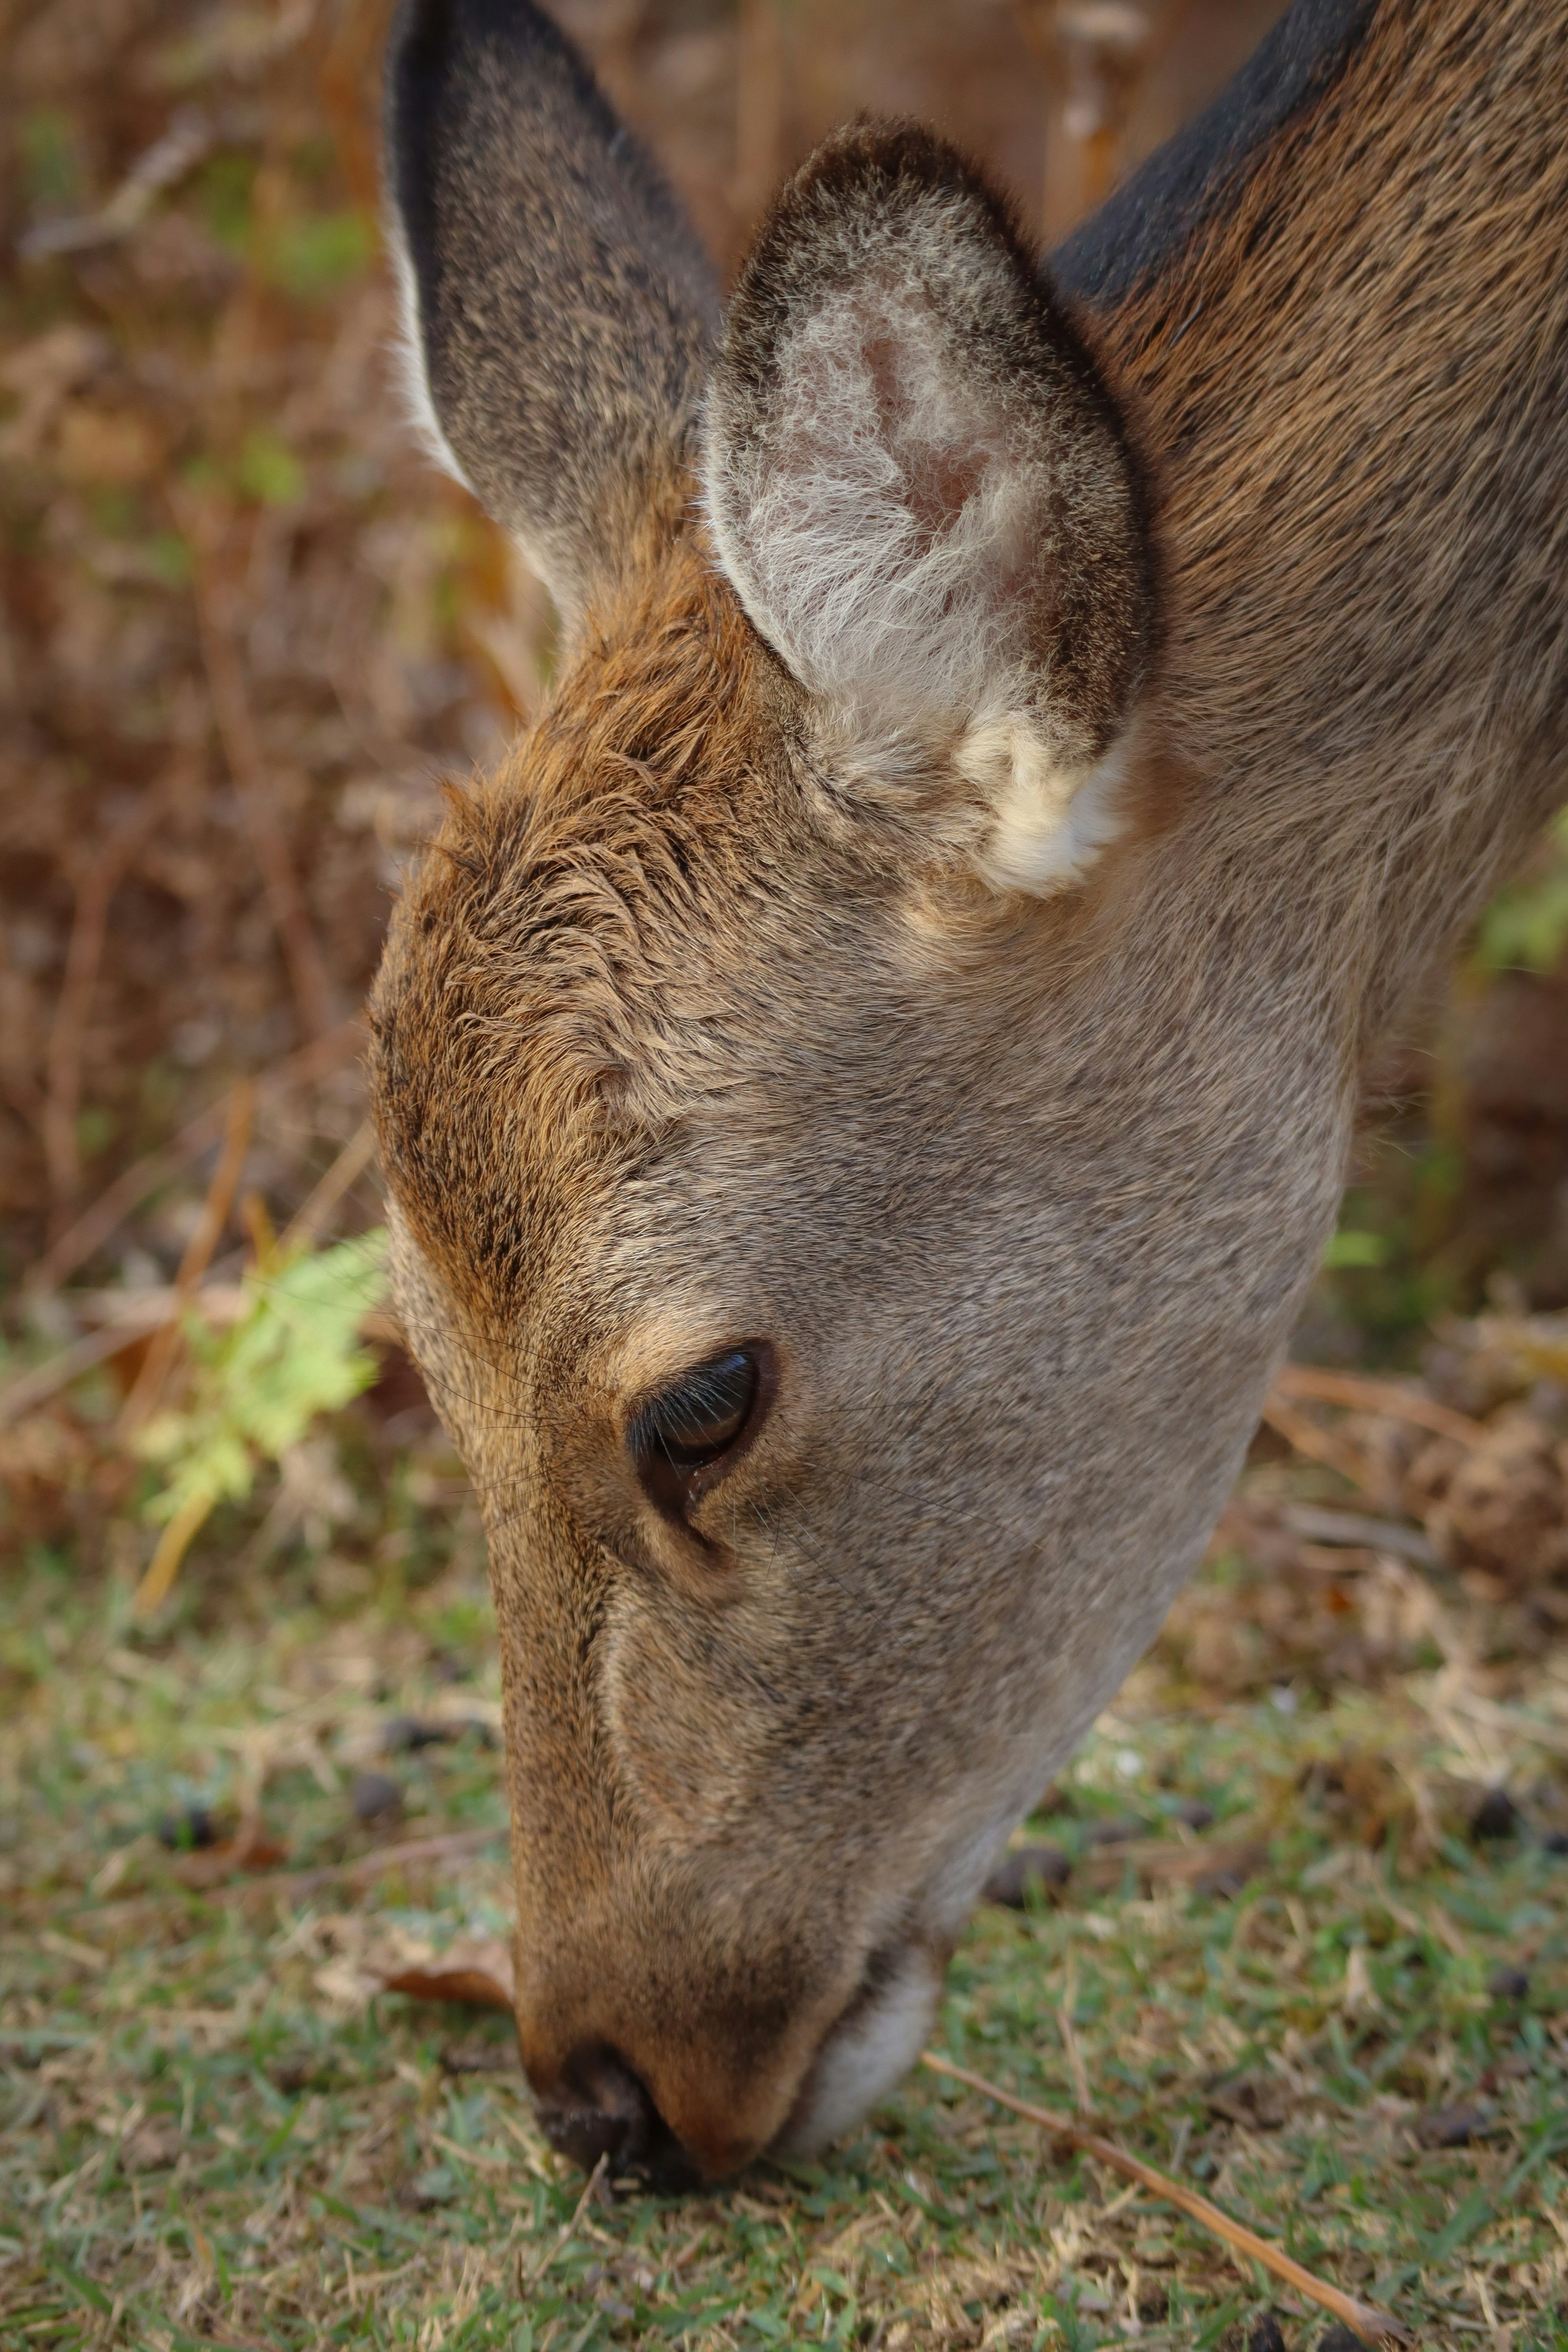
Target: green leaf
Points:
(310, 258)
(224, 189)
(168, 559)
(88, 2289)
(269, 472)
(1349, 1248)
(292, 1352)
(1526, 926)
(50, 148)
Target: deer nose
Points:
(601, 2108)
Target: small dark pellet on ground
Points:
(1266, 2334)
(402, 1734)
(1496, 1815)
(1451, 2127)
(1043, 1865)
(1340, 2339)
(1509, 1984)
(375, 1797)
(1258, 2101)
(292, 2075)
(1119, 1831)
(1194, 1814)
(1555, 1842)
(190, 1828)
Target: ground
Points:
(1340, 2005)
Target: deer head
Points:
(865, 1086)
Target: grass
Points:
(217, 2131)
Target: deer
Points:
(865, 1084)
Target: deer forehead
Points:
(656, 895)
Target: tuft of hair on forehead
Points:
(527, 1003)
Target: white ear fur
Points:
(409, 358)
(839, 535)
(1050, 823)
(909, 488)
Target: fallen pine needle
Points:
(1374, 2326)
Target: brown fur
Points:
(676, 1046)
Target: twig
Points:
(148, 1387)
(476, 2156)
(137, 1314)
(183, 143)
(95, 1224)
(248, 767)
(526, 2278)
(1097, 58)
(345, 1171)
(1358, 1532)
(143, 1398)
(1373, 2325)
(45, 1381)
(84, 953)
(171, 1548)
(1387, 1397)
(1300, 1430)
(342, 77)
(1490, 1717)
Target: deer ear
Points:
(559, 310)
(922, 493)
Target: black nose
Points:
(603, 2109)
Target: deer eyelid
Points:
(685, 1438)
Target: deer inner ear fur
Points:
(924, 496)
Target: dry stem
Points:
(96, 1223)
(311, 1219)
(1373, 2325)
(243, 750)
(1301, 1432)
(84, 954)
(142, 1400)
(1387, 1397)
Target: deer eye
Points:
(682, 1434)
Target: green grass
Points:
(215, 2131)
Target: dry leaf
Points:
(477, 1970)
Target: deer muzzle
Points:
(674, 2110)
